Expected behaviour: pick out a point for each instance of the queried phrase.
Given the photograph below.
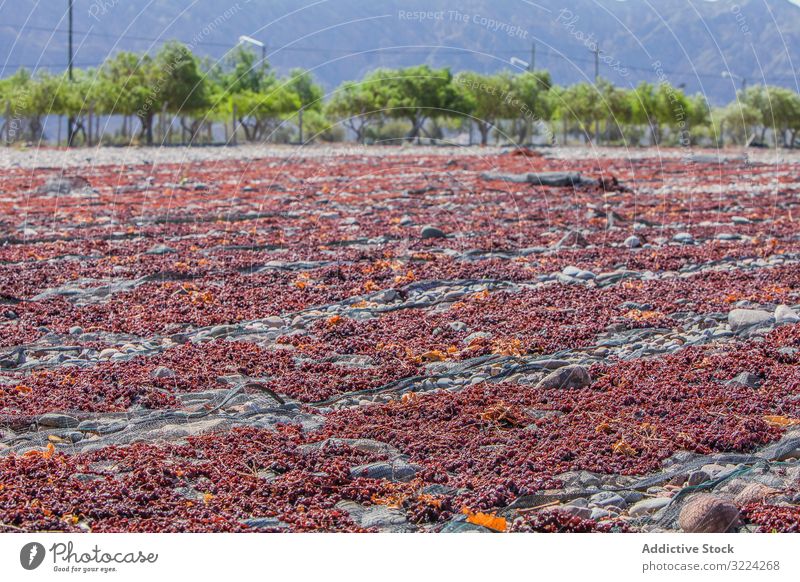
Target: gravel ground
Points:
(104, 156)
(410, 339)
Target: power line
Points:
(596, 52)
(70, 119)
(392, 50)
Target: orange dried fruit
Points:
(780, 421)
(623, 448)
(487, 520)
(433, 356)
(409, 398)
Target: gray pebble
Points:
(647, 506)
(632, 242)
(432, 232)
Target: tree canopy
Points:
(246, 95)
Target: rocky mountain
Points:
(687, 42)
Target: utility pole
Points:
(300, 116)
(729, 75)
(257, 43)
(70, 120)
(596, 81)
(233, 125)
(532, 66)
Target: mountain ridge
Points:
(686, 42)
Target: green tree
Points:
(616, 111)
(180, 84)
(355, 105)
(416, 94)
(30, 98)
(251, 91)
(778, 109)
(123, 79)
(130, 82)
(308, 93)
(245, 72)
(77, 99)
(530, 101)
(580, 104)
(673, 109)
(736, 120)
(644, 108)
(259, 113)
(485, 99)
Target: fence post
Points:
(164, 127)
(300, 114)
(8, 122)
(233, 138)
(91, 124)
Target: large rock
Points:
(572, 239)
(63, 184)
(558, 179)
(567, 377)
(159, 250)
(266, 523)
(744, 380)
(742, 319)
(274, 322)
(382, 517)
(632, 242)
(647, 506)
(161, 372)
(432, 232)
(13, 358)
(707, 513)
(54, 420)
(787, 450)
(785, 314)
(754, 493)
(581, 512)
(606, 499)
(397, 470)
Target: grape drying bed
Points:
(358, 343)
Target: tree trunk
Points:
(416, 124)
(522, 131)
(89, 135)
(248, 132)
(233, 125)
(361, 133)
(484, 128)
(35, 128)
(147, 127)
